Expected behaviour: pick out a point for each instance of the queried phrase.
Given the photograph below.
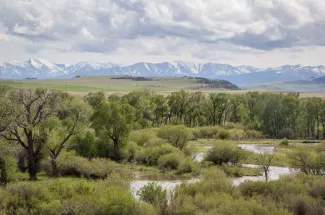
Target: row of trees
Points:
(276, 115)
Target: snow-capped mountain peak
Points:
(41, 68)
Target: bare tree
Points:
(265, 160)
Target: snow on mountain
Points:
(40, 68)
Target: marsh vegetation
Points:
(144, 153)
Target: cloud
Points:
(164, 26)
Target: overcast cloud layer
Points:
(256, 32)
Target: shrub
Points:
(176, 135)
(207, 132)
(69, 196)
(155, 195)
(224, 153)
(223, 134)
(86, 144)
(129, 151)
(236, 134)
(142, 137)
(231, 125)
(150, 155)
(188, 166)
(253, 134)
(287, 133)
(284, 142)
(152, 193)
(300, 205)
(170, 161)
(75, 166)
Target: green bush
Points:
(69, 196)
(150, 155)
(287, 133)
(177, 135)
(225, 153)
(86, 144)
(284, 142)
(223, 134)
(152, 193)
(155, 195)
(207, 132)
(170, 161)
(253, 134)
(231, 125)
(142, 137)
(129, 152)
(188, 166)
(236, 134)
(75, 166)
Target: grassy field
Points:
(83, 85)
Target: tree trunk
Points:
(32, 166)
(3, 172)
(55, 171)
(266, 173)
(117, 155)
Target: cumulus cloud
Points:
(164, 26)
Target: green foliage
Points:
(114, 121)
(286, 133)
(223, 134)
(178, 135)
(69, 196)
(151, 155)
(70, 165)
(253, 134)
(284, 142)
(86, 144)
(153, 194)
(170, 161)
(225, 153)
(236, 134)
(188, 166)
(307, 160)
(207, 132)
(142, 137)
(94, 99)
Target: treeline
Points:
(276, 115)
(218, 84)
(132, 78)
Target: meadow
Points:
(83, 85)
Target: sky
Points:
(260, 33)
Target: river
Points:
(169, 182)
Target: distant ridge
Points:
(44, 69)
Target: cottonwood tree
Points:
(23, 113)
(70, 120)
(114, 120)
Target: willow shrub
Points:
(70, 196)
(150, 155)
(215, 194)
(225, 153)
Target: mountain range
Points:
(44, 69)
